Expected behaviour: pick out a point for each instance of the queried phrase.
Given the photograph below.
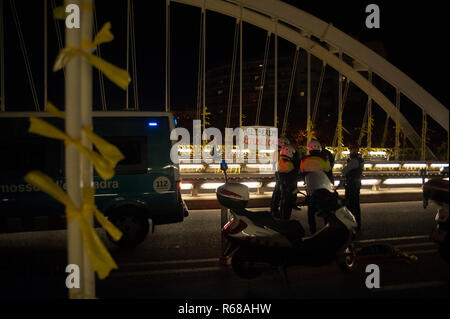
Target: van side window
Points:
(134, 148)
(19, 156)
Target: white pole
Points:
(88, 286)
(73, 177)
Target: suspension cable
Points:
(45, 52)
(263, 78)
(291, 87)
(385, 131)
(101, 79)
(363, 127)
(233, 72)
(167, 70)
(319, 91)
(58, 33)
(25, 55)
(204, 66)
(200, 72)
(423, 148)
(128, 54)
(339, 126)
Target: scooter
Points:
(257, 242)
(437, 191)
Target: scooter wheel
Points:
(242, 266)
(346, 261)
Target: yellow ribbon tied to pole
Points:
(101, 164)
(109, 152)
(99, 257)
(117, 75)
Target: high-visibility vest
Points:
(285, 162)
(313, 163)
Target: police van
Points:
(146, 185)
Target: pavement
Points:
(384, 195)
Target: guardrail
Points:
(204, 178)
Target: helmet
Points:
(282, 141)
(287, 150)
(314, 145)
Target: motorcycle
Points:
(437, 190)
(257, 242)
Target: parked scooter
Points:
(437, 191)
(258, 242)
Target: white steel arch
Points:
(296, 26)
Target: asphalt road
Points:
(182, 261)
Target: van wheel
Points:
(134, 226)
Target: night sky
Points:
(415, 35)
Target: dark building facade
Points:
(218, 86)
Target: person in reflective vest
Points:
(330, 157)
(316, 160)
(352, 173)
(284, 194)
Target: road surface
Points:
(181, 261)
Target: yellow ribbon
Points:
(102, 165)
(341, 127)
(103, 36)
(99, 257)
(370, 122)
(117, 75)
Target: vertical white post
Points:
(88, 285)
(275, 115)
(2, 59)
(167, 55)
(45, 54)
(73, 176)
(240, 69)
